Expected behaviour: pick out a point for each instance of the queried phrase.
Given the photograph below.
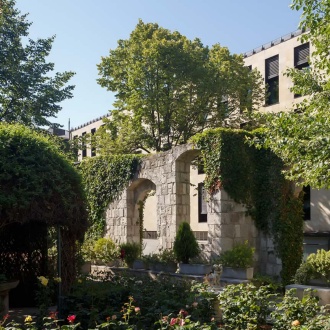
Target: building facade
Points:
(272, 60)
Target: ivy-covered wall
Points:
(253, 177)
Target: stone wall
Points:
(168, 174)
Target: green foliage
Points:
(131, 252)
(245, 306)
(185, 244)
(104, 178)
(240, 256)
(253, 177)
(173, 87)
(317, 266)
(27, 94)
(38, 182)
(105, 250)
(291, 308)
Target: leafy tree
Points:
(169, 88)
(301, 137)
(27, 94)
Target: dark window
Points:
(272, 81)
(93, 149)
(301, 55)
(307, 202)
(202, 203)
(83, 145)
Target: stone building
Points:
(177, 186)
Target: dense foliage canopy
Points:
(301, 137)
(170, 88)
(38, 182)
(27, 94)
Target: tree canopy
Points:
(27, 94)
(301, 137)
(169, 88)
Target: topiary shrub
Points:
(185, 244)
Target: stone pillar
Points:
(228, 224)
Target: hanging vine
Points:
(104, 178)
(253, 177)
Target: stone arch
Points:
(183, 184)
(136, 193)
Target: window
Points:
(307, 202)
(271, 79)
(83, 145)
(93, 150)
(301, 55)
(202, 203)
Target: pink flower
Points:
(182, 322)
(195, 304)
(173, 321)
(137, 310)
(71, 318)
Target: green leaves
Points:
(174, 87)
(104, 178)
(27, 94)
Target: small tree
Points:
(185, 244)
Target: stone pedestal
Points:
(4, 295)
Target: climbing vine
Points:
(254, 178)
(104, 178)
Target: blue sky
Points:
(85, 30)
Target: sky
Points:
(86, 30)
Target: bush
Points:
(245, 306)
(240, 256)
(292, 309)
(130, 251)
(105, 250)
(317, 266)
(185, 244)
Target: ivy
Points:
(253, 177)
(104, 178)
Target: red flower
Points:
(71, 318)
(183, 313)
(173, 321)
(122, 254)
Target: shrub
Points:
(240, 256)
(245, 306)
(316, 266)
(105, 250)
(130, 251)
(185, 244)
(292, 309)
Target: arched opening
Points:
(143, 225)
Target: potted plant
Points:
(315, 270)
(238, 262)
(129, 252)
(106, 251)
(185, 248)
(164, 261)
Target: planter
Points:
(169, 267)
(86, 268)
(195, 269)
(319, 282)
(322, 292)
(239, 273)
(139, 264)
(4, 295)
